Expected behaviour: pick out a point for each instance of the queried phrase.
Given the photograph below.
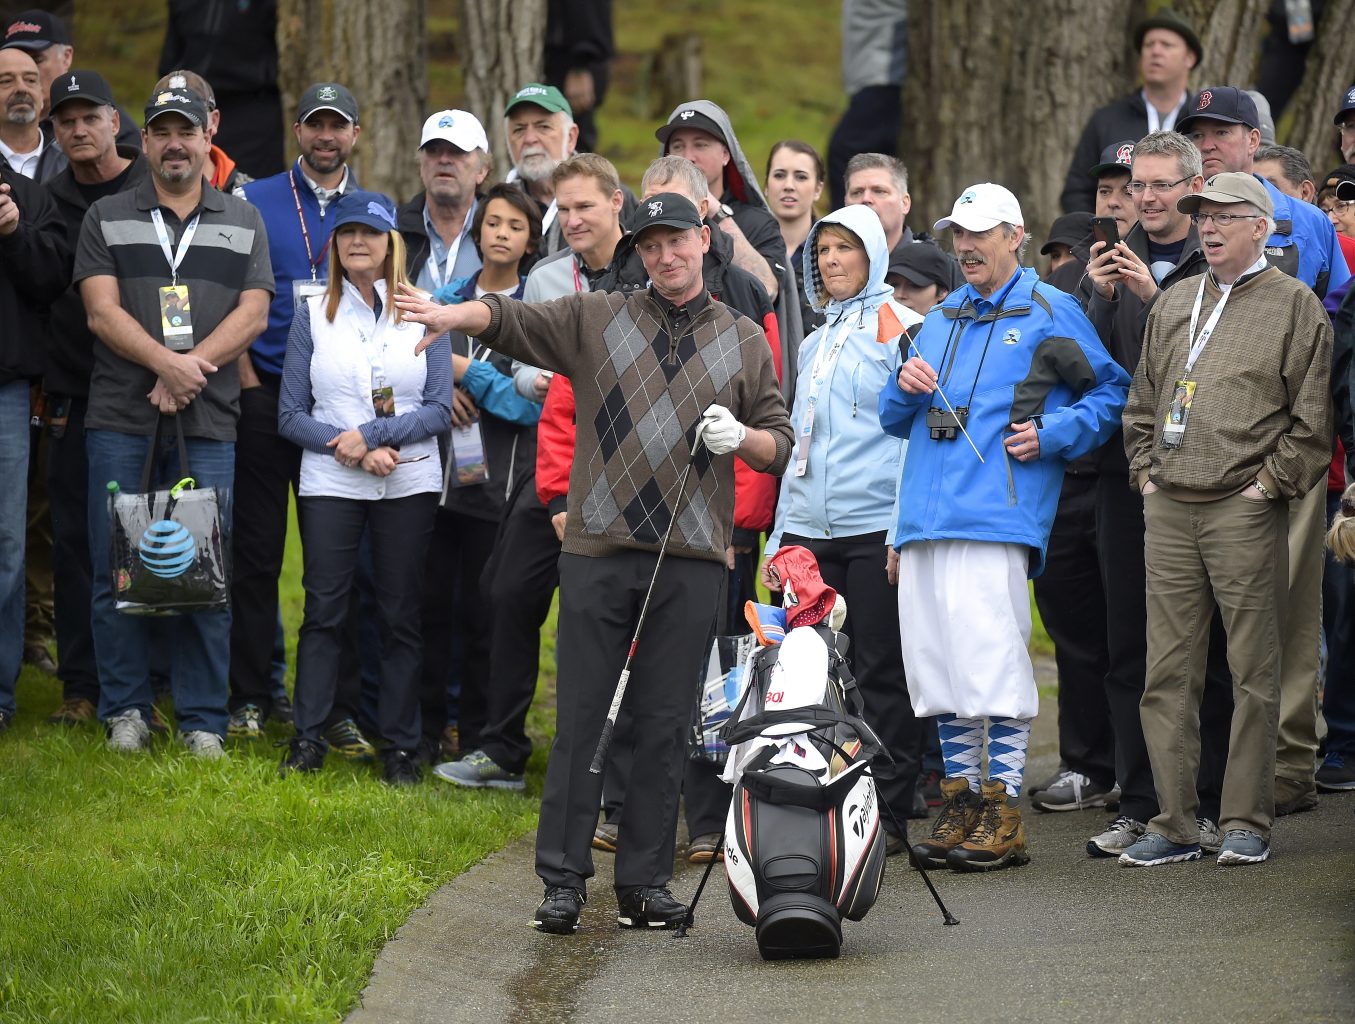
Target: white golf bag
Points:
(803, 842)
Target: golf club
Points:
(605, 740)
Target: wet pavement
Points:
(1065, 938)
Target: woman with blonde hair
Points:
(366, 411)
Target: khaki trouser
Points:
(1231, 553)
(1296, 751)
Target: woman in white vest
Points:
(366, 411)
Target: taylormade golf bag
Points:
(803, 843)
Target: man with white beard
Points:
(539, 125)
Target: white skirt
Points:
(964, 621)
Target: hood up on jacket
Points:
(740, 178)
(863, 222)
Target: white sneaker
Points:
(128, 732)
(206, 745)
(1120, 835)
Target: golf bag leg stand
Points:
(701, 886)
(947, 917)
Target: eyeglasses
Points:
(1222, 219)
(1135, 188)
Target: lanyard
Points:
(1156, 121)
(441, 275)
(574, 265)
(175, 256)
(1198, 344)
(824, 361)
(305, 233)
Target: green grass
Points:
(158, 888)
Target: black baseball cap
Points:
(666, 209)
(1118, 156)
(689, 117)
(1172, 22)
(81, 85)
(327, 96)
(35, 30)
(177, 101)
(921, 264)
(1069, 230)
(1347, 105)
(1222, 103)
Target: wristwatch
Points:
(1265, 493)
(722, 212)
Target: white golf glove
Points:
(721, 433)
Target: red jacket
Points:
(754, 492)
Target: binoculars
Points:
(945, 425)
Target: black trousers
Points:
(855, 568)
(456, 625)
(68, 494)
(520, 579)
(1072, 603)
(870, 124)
(266, 466)
(331, 530)
(600, 602)
(1119, 533)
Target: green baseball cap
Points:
(547, 97)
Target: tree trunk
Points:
(1230, 31)
(501, 46)
(379, 51)
(1315, 102)
(992, 96)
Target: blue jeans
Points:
(13, 520)
(1338, 605)
(199, 644)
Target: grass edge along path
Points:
(158, 888)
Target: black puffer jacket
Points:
(35, 267)
(1125, 118)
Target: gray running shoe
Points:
(1120, 835)
(1210, 836)
(1243, 846)
(478, 770)
(128, 732)
(1154, 849)
(205, 745)
(1071, 791)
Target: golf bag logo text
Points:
(776, 696)
(167, 549)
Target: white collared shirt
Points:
(24, 163)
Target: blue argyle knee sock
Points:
(1007, 742)
(961, 747)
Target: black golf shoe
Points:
(649, 908)
(559, 911)
(302, 756)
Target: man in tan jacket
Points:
(1228, 418)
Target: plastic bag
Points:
(725, 677)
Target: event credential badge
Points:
(468, 454)
(176, 318)
(1174, 426)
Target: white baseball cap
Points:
(981, 207)
(459, 127)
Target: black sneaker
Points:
(1337, 774)
(401, 768)
(302, 756)
(648, 907)
(281, 711)
(559, 911)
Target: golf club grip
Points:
(604, 741)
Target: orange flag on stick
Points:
(889, 325)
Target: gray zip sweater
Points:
(640, 388)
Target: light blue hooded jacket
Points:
(852, 480)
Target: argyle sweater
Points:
(640, 387)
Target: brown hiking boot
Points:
(997, 840)
(74, 711)
(959, 810)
